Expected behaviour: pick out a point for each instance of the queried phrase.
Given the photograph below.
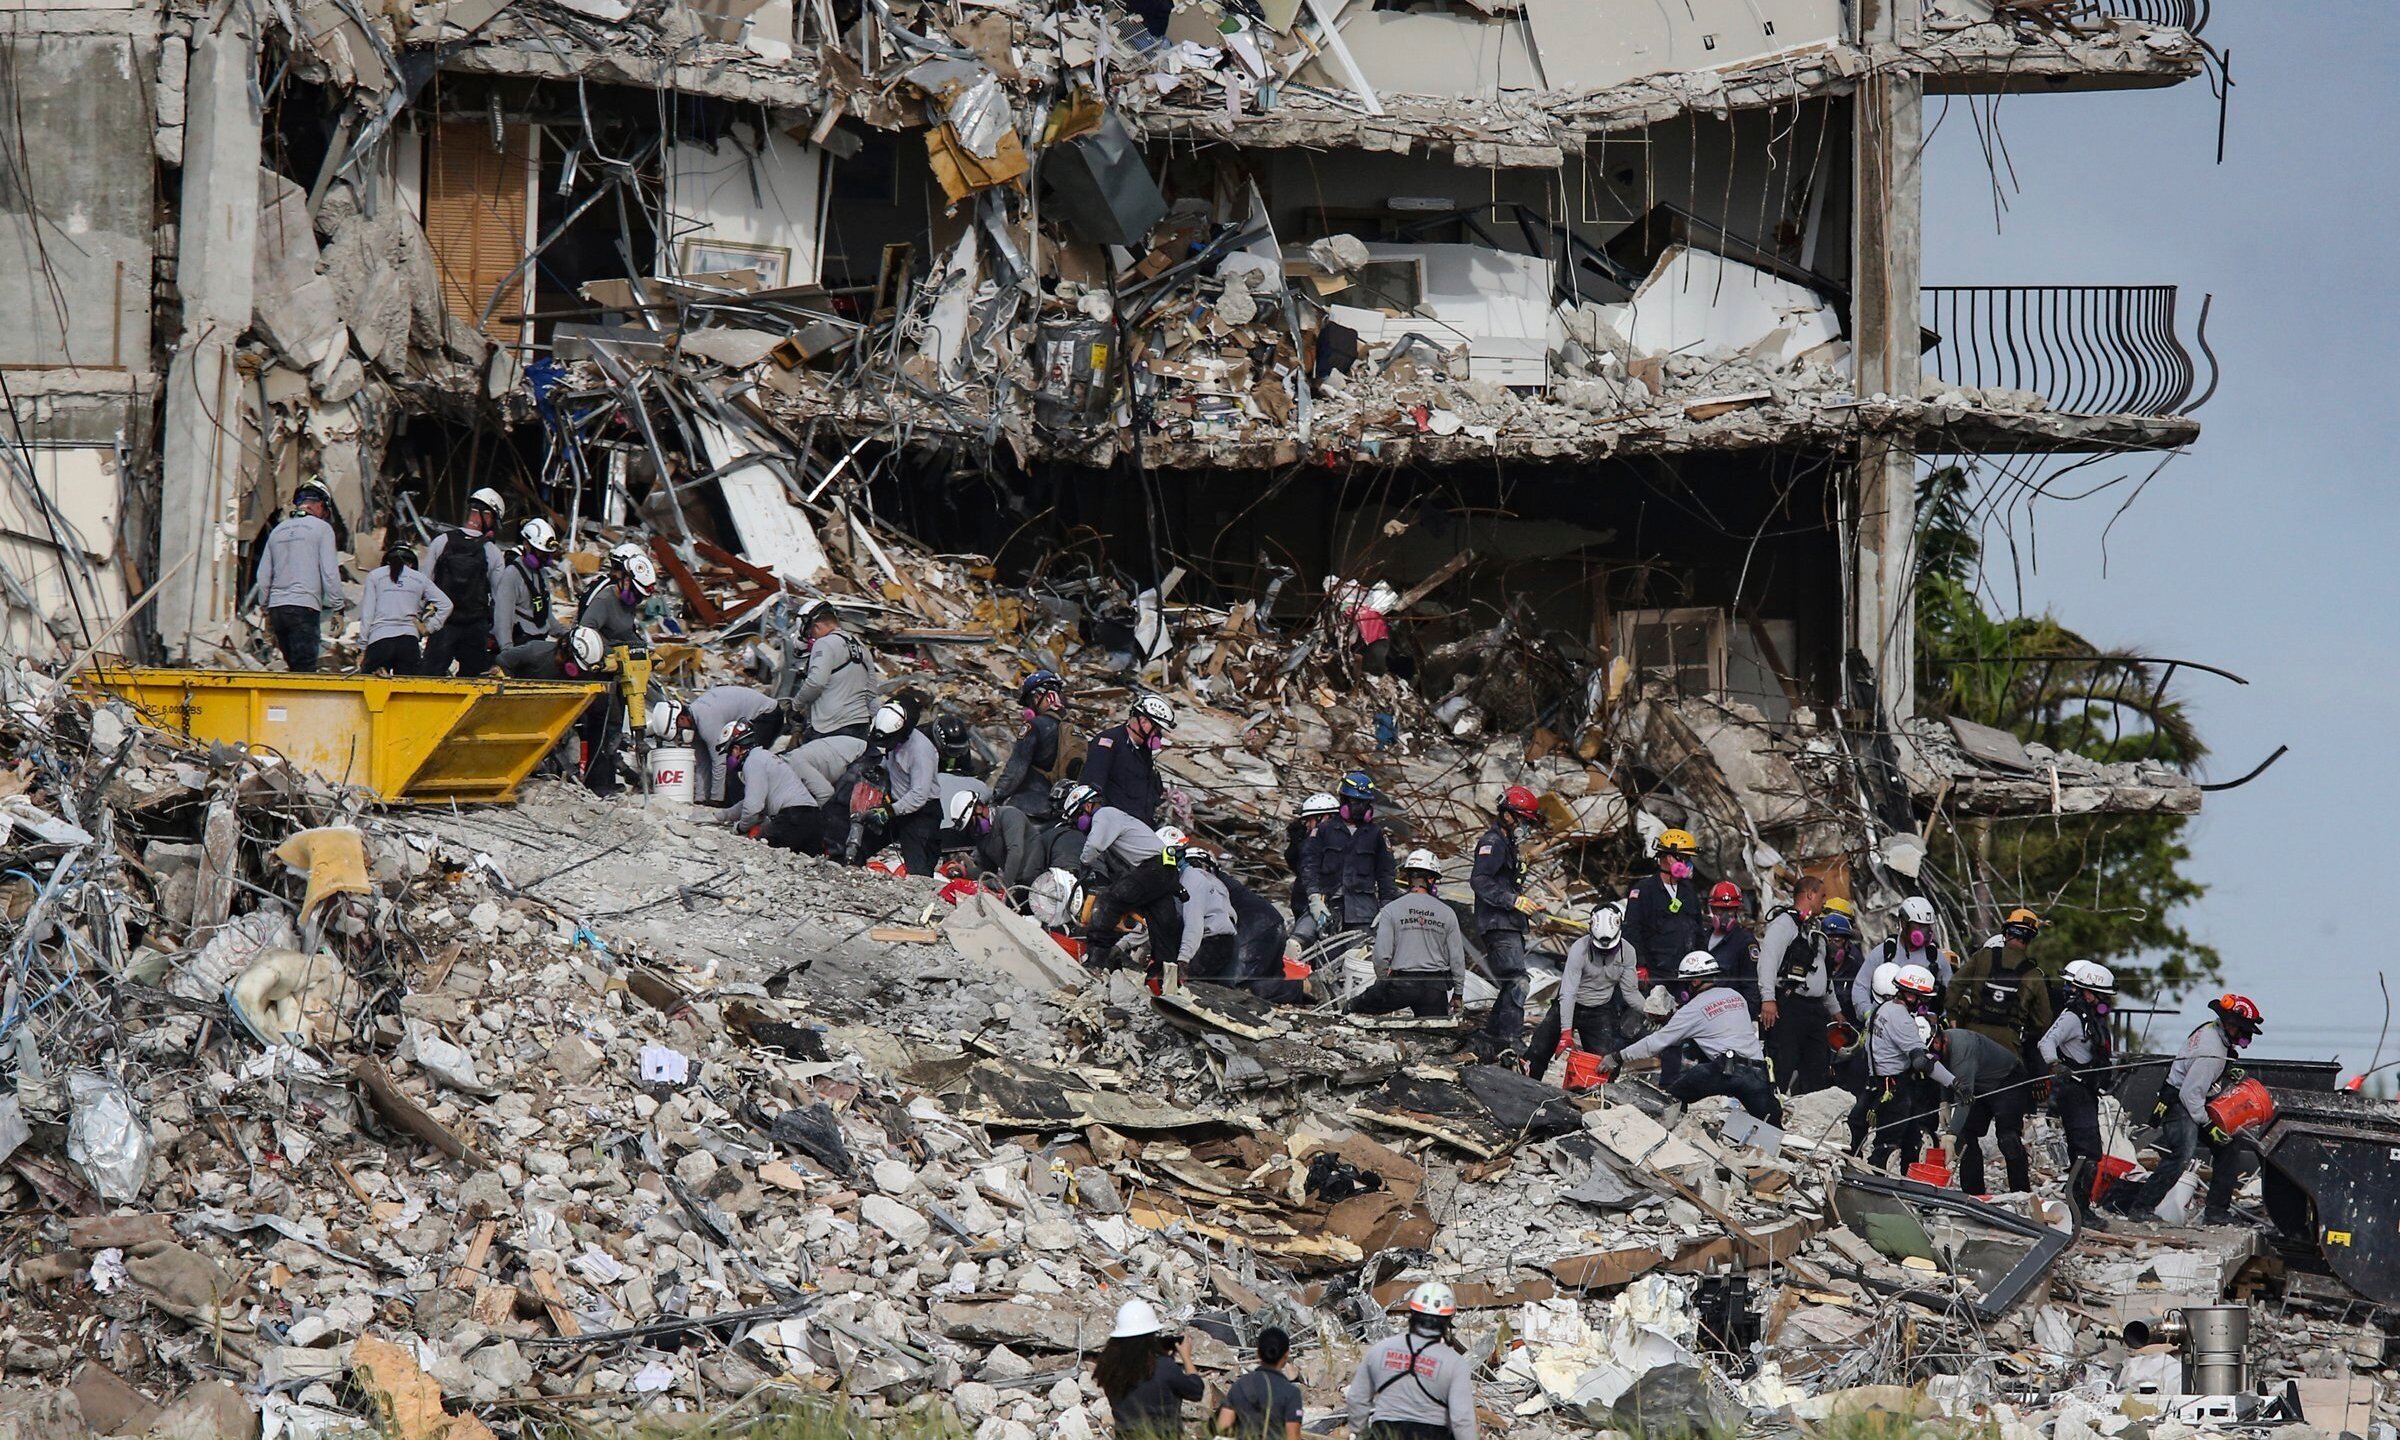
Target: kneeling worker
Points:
(1415, 1385)
(1420, 953)
(1599, 993)
(1143, 875)
(1720, 1040)
(1209, 949)
(773, 807)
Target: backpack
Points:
(1069, 761)
(463, 577)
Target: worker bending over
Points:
(1420, 955)
(2196, 1076)
(699, 721)
(773, 806)
(1131, 870)
(1210, 947)
(2081, 1052)
(1989, 1094)
(1415, 1385)
(1719, 1040)
(1599, 993)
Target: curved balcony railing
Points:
(2087, 349)
(2189, 15)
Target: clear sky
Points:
(2273, 548)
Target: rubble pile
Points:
(499, 1119)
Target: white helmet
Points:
(2091, 975)
(1917, 910)
(641, 574)
(1432, 1298)
(1172, 836)
(538, 536)
(589, 649)
(1608, 925)
(960, 808)
(813, 609)
(1077, 797)
(732, 731)
(623, 551)
(1881, 984)
(1924, 1029)
(1422, 861)
(890, 718)
(1382, 598)
(1915, 979)
(1136, 1318)
(1699, 965)
(1055, 899)
(664, 717)
(1321, 803)
(1155, 709)
(489, 499)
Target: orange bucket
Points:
(2245, 1106)
(1925, 1172)
(1583, 1070)
(2110, 1172)
(1297, 970)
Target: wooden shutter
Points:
(475, 219)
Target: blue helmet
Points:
(1358, 785)
(1834, 922)
(1036, 684)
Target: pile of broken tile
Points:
(589, 1113)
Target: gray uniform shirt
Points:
(607, 612)
(1440, 1392)
(1717, 1020)
(1978, 1065)
(1207, 910)
(837, 689)
(1892, 1043)
(820, 764)
(1121, 840)
(298, 565)
(915, 768)
(1418, 934)
(712, 710)
(1605, 975)
(2065, 1040)
(2198, 1066)
(512, 605)
(1785, 930)
(768, 788)
(387, 608)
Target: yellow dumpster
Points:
(405, 738)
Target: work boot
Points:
(2079, 1192)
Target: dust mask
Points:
(1679, 870)
(1918, 939)
(1156, 742)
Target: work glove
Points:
(2217, 1137)
(1458, 1004)
(880, 815)
(1920, 1063)
(1321, 912)
(2158, 1112)
(1565, 1043)
(1527, 905)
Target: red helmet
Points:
(1725, 895)
(1520, 801)
(2232, 1006)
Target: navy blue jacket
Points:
(1352, 867)
(1257, 929)
(1659, 932)
(1025, 780)
(1498, 880)
(1125, 773)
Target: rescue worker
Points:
(1063, 836)
(1794, 989)
(393, 604)
(1989, 1094)
(1130, 869)
(612, 609)
(578, 654)
(1122, 763)
(1415, 1385)
(912, 817)
(2198, 1072)
(2080, 1050)
(1916, 940)
(698, 722)
(1039, 758)
(1349, 862)
(1663, 912)
(1007, 843)
(1599, 993)
(299, 579)
(1900, 1100)
(1146, 1374)
(1731, 942)
(1314, 811)
(1999, 991)
(836, 691)
(773, 806)
(1845, 958)
(521, 594)
(1503, 912)
(1258, 944)
(1209, 949)
(1420, 955)
(465, 562)
(1718, 1039)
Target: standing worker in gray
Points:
(1420, 954)
(299, 579)
(1416, 1385)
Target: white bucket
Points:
(671, 773)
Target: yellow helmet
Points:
(1678, 840)
(1836, 905)
(2021, 926)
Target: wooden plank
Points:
(562, 1319)
(469, 1274)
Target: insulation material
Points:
(736, 209)
(774, 533)
(1704, 305)
(1594, 44)
(76, 589)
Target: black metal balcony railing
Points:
(2189, 15)
(2087, 349)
